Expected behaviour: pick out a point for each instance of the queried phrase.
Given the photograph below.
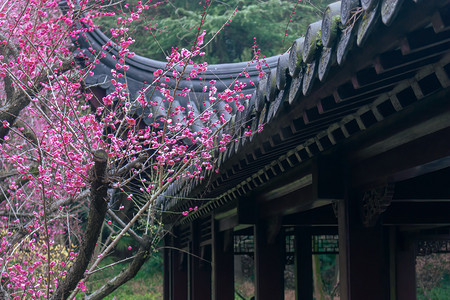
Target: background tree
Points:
(275, 24)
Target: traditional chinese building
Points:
(355, 152)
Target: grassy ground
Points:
(147, 285)
(437, 293)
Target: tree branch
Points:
(27, 133)
(69, 200)
(133, 164)
(4, 295)
(19, 99)
(19, 181)
(125, 275)
(133, 234)
(11, 110)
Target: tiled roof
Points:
(363, 62)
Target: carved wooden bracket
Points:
(374, 202)
(335, 204)
(273, 228)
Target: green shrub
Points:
(146, 285)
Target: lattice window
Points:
(427, 247)
(321, 244)
(325, 244)
(244, 244)
(290, 244)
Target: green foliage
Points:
(176, 24)
(437, 293)
(146, 285)
(433, 276)
(328, 271)
(153, 266)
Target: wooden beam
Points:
(329, 177)
(298, 201)
(417, 121)
(421, 156)
(424, 39)
(428, 187)
(321, 216)
(310, 186)
(303, 189)
(417, 213)
(409, 144)
(273, 229)
(247, 211)
(228, 223)
(288, 188)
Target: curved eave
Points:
(334, 85)
(404, 58)
(142, 68)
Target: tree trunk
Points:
(97, 212)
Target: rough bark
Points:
(97, 212)
(11, 110)
(17, 99)
(4, 294)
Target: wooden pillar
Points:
(179, 276)
(200, 267)
(269, 262)
(166, 271)
(364, 273)
(405, 268)
(303, 264)
(222, 264)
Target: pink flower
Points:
(157, 73)
(131, 121)
(228, 108)
(200, 38)
(81, 286)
